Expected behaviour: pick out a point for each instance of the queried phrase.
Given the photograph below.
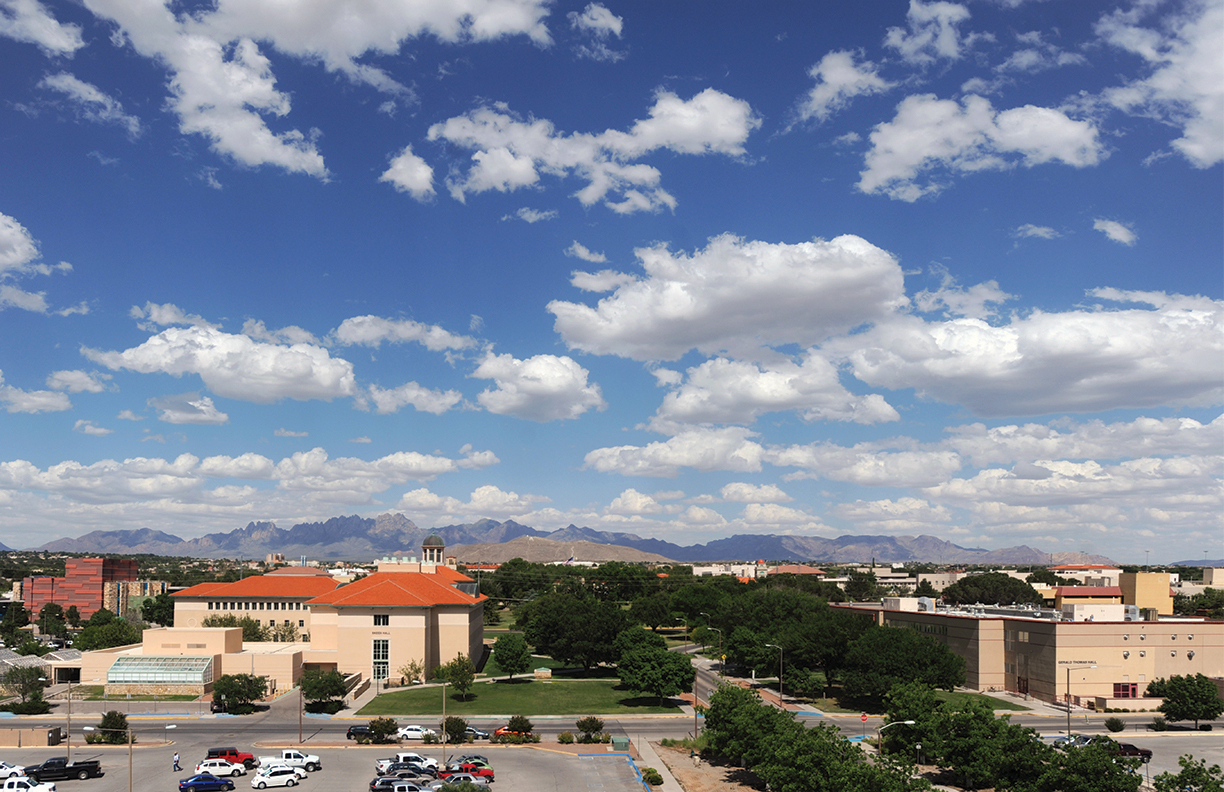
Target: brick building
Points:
(84, 584)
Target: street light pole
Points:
(1069, 699)
(779, 648)
(880, 733)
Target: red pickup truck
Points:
(233, 755)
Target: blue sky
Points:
(678, 269)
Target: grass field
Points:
(995, 703)
(522, 696)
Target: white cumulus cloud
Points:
(411, 174)
(420, 398)
(92, 104)
(702, 449)
(838, 80)
(77, 381)
(31, 22)
(540, 388)
(188, 408)
(932, 33)
(736, 295)
(941, 136)
(511, 153)
(579, 250)
(236, 366)
(1115, 231)
(373, 330)
(16, 400)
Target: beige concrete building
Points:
(1092, 662)
(408, 611)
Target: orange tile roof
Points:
(262, 586)
(402, 589)
(199, 590)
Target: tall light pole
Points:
(1069, 699)
(779, 648)
(880, 732)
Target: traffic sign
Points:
(863, 717)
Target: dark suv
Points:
(357, 732)
(1126, 749)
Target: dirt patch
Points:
(704, 776)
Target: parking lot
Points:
(348, 768)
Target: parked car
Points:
(10, 770)
(221, 767)
(1126, 749)
(457, 779)
(288, 756)
(205, 782)
(476, 758)
(415, 732)
(393, 784)
(408, 769)
(58, 768)
(381, 765)
(23, 784)
(274, 776)
(233, 755)
(355, 732)
(1073, 741)
(297, 771)
(475, 734)
(217, 706)
(468, 768)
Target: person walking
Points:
(176, 763)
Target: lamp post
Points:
(880, 732)
(779, 648)
(443, 721)
(720, 637)
(1069, 699)
(301, 707)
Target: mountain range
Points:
(357, 538)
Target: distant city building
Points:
(90, 584)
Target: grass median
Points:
(525, 696)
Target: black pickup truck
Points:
(58, 768)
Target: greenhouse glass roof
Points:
(174, 669)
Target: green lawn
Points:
(994, 703)
(525, 696)
(493, 670)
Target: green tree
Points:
(321, 687)
(455, 729)
(113, 729)
(983, 750)
(1188, 698)
(590, 726)
(991, 588)
(885, 656)
(658, 671)
(1195, 776)
(512, 654)
(383, 730)
(15, 617)
(158, 610)
(459, 674)
(24, 681)
(925, 589)
(1091, 768)
(240, 692)
(520, 725)
(412, 671)
(73, 617)
(910, 701)
(737, 724)
(110, 633)
(653, 610)
(252, 630)
(571, 629)
(100, 618)
(285, 632)
(861, 586)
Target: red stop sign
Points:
(863, 717)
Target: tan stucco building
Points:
(407, 611)
(1096, 654)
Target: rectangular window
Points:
(210, 605)
(261, 606)
(301, 622)
(1126, 690)
(382, 654)
(382, 619)
(286, 622)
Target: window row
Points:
(246, 605)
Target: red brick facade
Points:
(82, 584)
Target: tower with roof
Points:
(433, 550)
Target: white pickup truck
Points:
(23, 784)
(381, 765)
(288, 756)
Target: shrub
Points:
(652, 776)
(520, 724)
(328, 707)
(1115, 724)
(1204, 727)
(1159, 724)
(32, 707)
(566, 738)
(382, 730)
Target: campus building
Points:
(88, 583)
(407, 611)
(1098, 654)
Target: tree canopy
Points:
(1187, 698)
(240, 691)
(158, 610)
(512, 654)
(572, 629)
(647, 667)
(886, 656)
(994, 588)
